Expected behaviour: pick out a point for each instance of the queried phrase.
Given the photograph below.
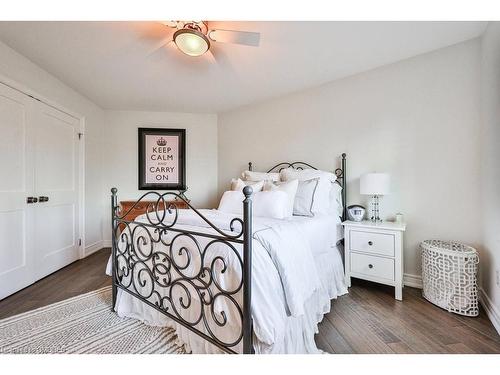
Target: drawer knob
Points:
(370, 243)
(370, 266)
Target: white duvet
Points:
(296, 270)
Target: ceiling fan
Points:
(194, 37)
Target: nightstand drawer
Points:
(373, 266)
(369, 242)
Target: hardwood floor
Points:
(367, 320)
(370, 320)
(79, 277)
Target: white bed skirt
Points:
(298, 335)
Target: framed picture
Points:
(162, 159)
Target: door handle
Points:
(31, 200)
(43, 199)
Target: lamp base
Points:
(375, 209)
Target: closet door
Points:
(16, 184)
(56, 183)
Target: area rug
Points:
(84, 324)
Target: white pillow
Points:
(239, 185)
(258, 176)
(232, 202)
(322, 194)
(271, 204)
(289, 187)
(304, 199)
(336, 206)
(305, 174)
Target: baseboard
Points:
(96, 246)
(490, 308)
(90, 249)
(415, 281)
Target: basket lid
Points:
(449, 246)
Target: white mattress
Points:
(277, 331)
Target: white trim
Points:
(81, 181)
(491, 310)
(96, 246)
(415, 281)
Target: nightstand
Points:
(141, 208)
(374, 252)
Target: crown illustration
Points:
(161, 142)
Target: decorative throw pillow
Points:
(289, 187)
(304, 199)
(322, 195)
(272, 204)
(259, 176)
(239, 184)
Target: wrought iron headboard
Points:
(339, 172)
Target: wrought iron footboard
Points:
(184, 274)
(179, 272)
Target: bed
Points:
(234, 283)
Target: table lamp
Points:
(374, 184)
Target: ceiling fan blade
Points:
(246, 38)
(210, 56)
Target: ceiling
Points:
(132, 65)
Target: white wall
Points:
(490, 161)
(121, 154)
(19, 69)
(417, 119)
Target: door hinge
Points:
(80, 135)
(80, 242)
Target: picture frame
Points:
(162, 159)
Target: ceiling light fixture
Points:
(191, 41)
(194, 38)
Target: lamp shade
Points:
(375, 184)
